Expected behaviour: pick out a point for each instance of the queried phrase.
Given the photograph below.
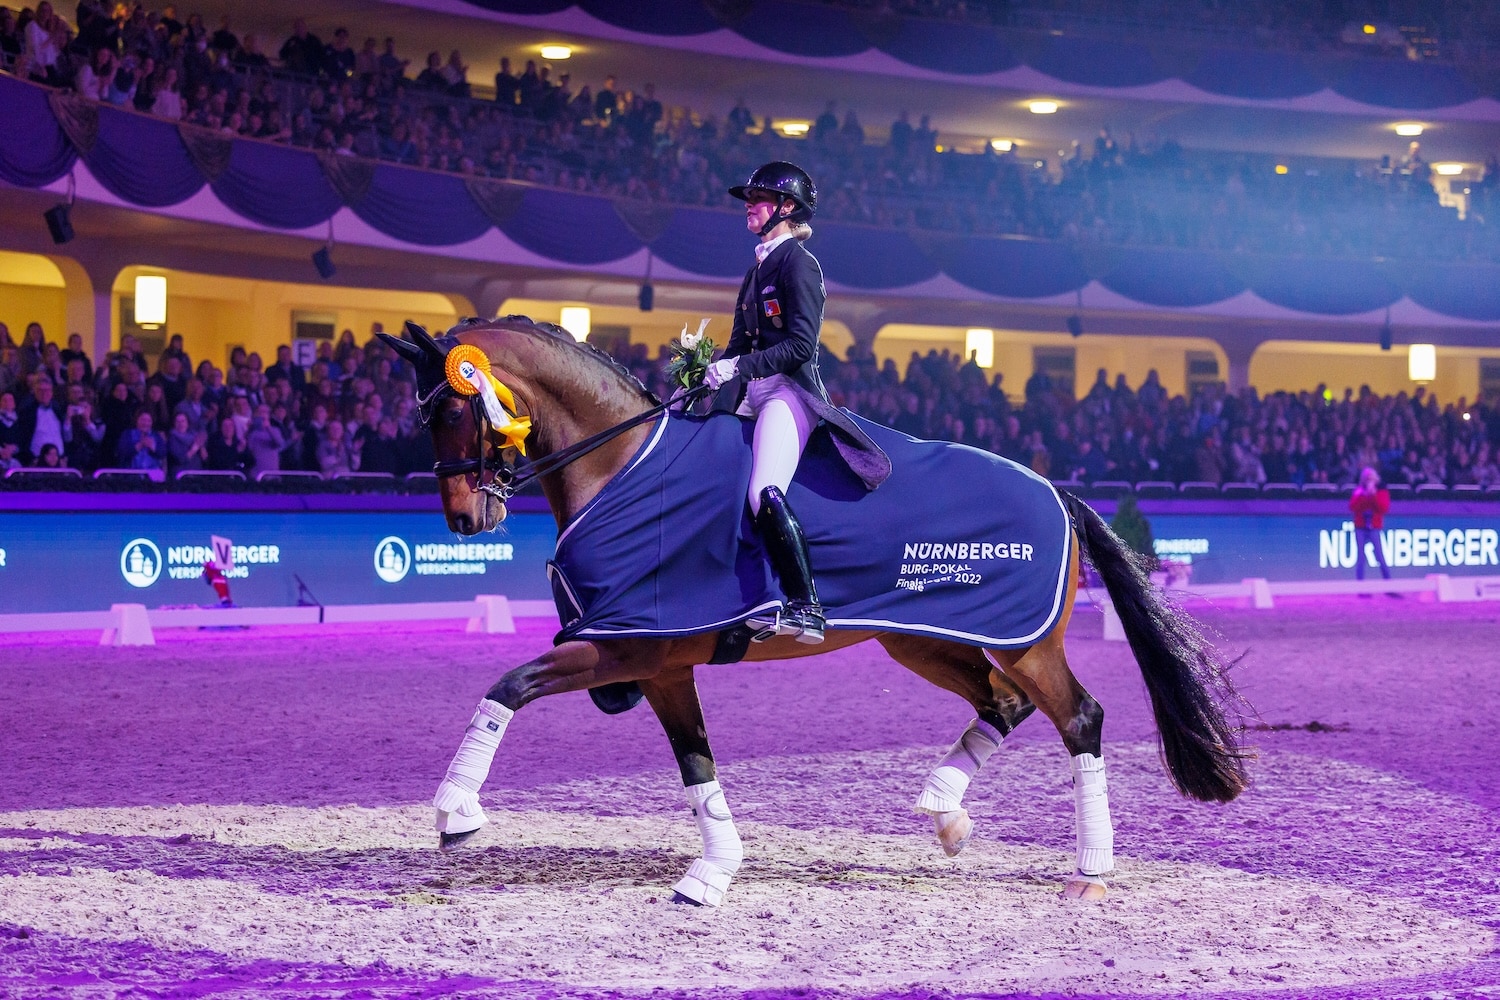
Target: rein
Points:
(508, 481)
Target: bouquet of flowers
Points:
(691, 355)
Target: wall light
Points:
(556, 53)
(1369, 29)
(1449, 169)
(576, 320)
(795, 128)
(150, 301)
(1281, 168)
(1421, 362)
(1043, 107)
(1409, 129)
(980, 345)
(1002, 145)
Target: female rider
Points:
(770, 367)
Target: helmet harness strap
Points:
(776, 218)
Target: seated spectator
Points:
(334, 456)
(12, 444)
(41, 420)
(51, 458)
(83, 433)
(265, 442)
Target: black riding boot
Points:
(787, 547)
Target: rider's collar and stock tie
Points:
(469, 375)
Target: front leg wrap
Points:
(457, 798)
(707, 879)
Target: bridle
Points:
(507, 480)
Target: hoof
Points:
(954, 831)
(704, 884)
(448, 842)
(1090, 888)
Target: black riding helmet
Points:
(788, 183)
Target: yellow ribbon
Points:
(468, 371)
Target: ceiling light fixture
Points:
(1002, 145)
(795, 128)
(1043, 107)
(557, 52)
(1409, 129)
(1449, 169)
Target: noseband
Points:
(507, 480)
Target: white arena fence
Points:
(1261, 593)
(135, 625)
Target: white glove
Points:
(721, 371)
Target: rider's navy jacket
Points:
(778, 319)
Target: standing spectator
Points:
(42, 419)
(75, 352)
(12, 446)
(338, 58)
(187, 448)
(33, 347)
(226, 449)
(826, 126)
(142, 447)
(1370, 503)
(333, 455)
(392, 65)
(265, 442)
(303, 51)
(82, 432)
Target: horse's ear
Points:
(411, 352)
(424, 340)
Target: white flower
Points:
(690, 341)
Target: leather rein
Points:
(507, 480)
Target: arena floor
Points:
(243, 813)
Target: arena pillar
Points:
(131, 627)
(494, 615)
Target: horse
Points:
(579, 417)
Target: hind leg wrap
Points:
(457, 798)
(1096, 834)
(947, 783)
(707, 879)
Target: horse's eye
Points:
(452, 415)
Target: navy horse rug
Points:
(956, 542)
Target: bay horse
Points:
(586, 417)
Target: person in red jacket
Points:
(1370, 503)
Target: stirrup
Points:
(771, 625)
(808, 621)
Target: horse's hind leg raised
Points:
(999, 705)
(674, 698)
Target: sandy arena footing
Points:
(243, 814)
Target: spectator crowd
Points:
(353, 410)
(370, 101)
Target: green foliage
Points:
(1133, 528)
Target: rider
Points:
(771, 368)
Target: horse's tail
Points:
(1184, 675)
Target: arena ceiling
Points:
(964, 113)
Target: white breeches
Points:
(783, 424)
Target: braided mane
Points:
(563, 338)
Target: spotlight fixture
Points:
(59, 220)
(646, 297)
(322, 257)
(1075, 325)
(1385, 336)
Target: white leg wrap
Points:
(707, 879)
(946, 785)
(1096, 834)
(457, 798)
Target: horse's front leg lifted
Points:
(572, 666)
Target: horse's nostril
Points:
(464, 524)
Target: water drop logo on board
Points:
(140, 562)
(392, 559)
